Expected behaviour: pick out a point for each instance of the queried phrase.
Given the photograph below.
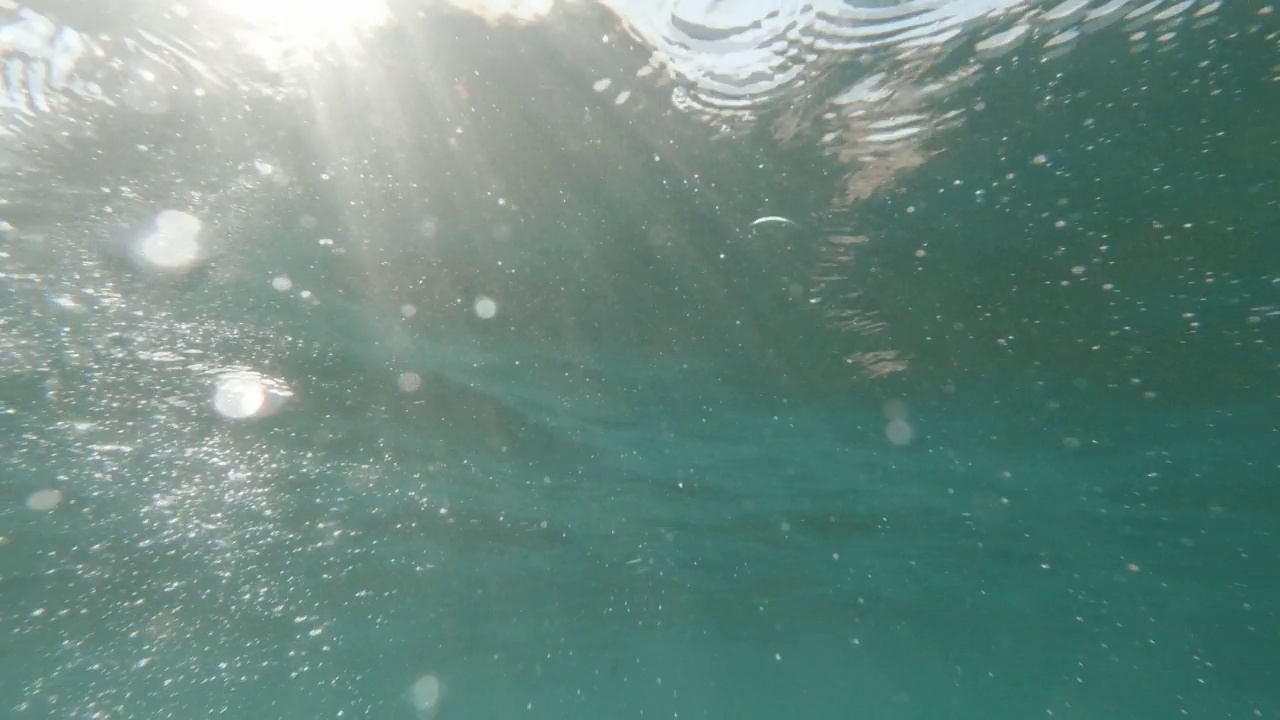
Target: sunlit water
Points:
(639, 360)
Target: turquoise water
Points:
(460, 372)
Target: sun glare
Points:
(277, 28)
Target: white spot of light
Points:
(173, 242)
(44, 500)
(485, 307)
(424, 696)
(241, 395)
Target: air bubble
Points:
(899, 432)
(241, 395)
(44, 500)
(485, 307)
(424, 696)
(173, 243)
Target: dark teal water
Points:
(566, 433)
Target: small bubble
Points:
(894, 410)
(899, 432)
(425, 695)
(407, 310)
(1040, 159)
(44, 500)
(240, 395)
(429, 227)
(173, 242)
(485, 307)
(409, 381)
(282, 283)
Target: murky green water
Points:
(596, 365)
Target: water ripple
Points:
(733, 57)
